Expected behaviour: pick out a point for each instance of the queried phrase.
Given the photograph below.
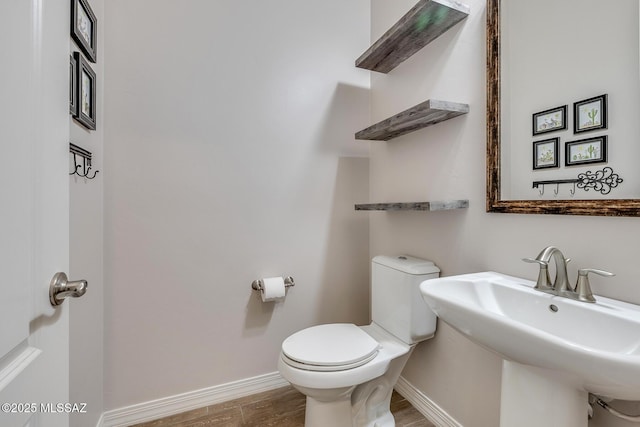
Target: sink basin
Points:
(589, 347)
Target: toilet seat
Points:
(331, 347)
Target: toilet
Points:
(348, 372)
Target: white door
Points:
(34, 211)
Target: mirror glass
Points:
(563, 118)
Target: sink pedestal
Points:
(534, 397)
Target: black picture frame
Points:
(73, 86)
(85, 92)
(582, 110)
(84, 28)
(578, 153)
(551, 120)
(546, 153)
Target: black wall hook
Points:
(602, 181)
(81, 169)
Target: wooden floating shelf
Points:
(422, 115)
(426, 21)
(414, 206)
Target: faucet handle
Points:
(544, 281)
(535, 261)
(585, 271)
(583, 288)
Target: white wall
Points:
(231, 157)
(86, 253)
(448, 161)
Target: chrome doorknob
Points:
(61, 288)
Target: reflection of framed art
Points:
(85, 92)
(73, 86)
(590, 114)
(84, 27)
(550, 120)
(592, 150)
(545, 153)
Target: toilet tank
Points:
(396, 302)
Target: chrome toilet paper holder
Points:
(257, 284)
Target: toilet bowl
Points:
(348, 372)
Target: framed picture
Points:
(84, 28)
(545, 153)
(85, 92)
(592, 150)
(550, 120)
(590, 114)
(73, 86)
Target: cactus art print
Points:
(592, 150)
(590, 114)
(550, 120)
(545, 153)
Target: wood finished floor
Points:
(283, 407)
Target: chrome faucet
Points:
(560, 285)
(561, 282)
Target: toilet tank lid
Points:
(407, 264)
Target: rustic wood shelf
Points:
(422, 115)
(426, 21)
(414, 206)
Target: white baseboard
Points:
(172, 405)
(424, 405)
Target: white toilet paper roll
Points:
(272, 289)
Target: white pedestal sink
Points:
(556, 350)
(534, 397)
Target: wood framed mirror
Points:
(598, 206)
